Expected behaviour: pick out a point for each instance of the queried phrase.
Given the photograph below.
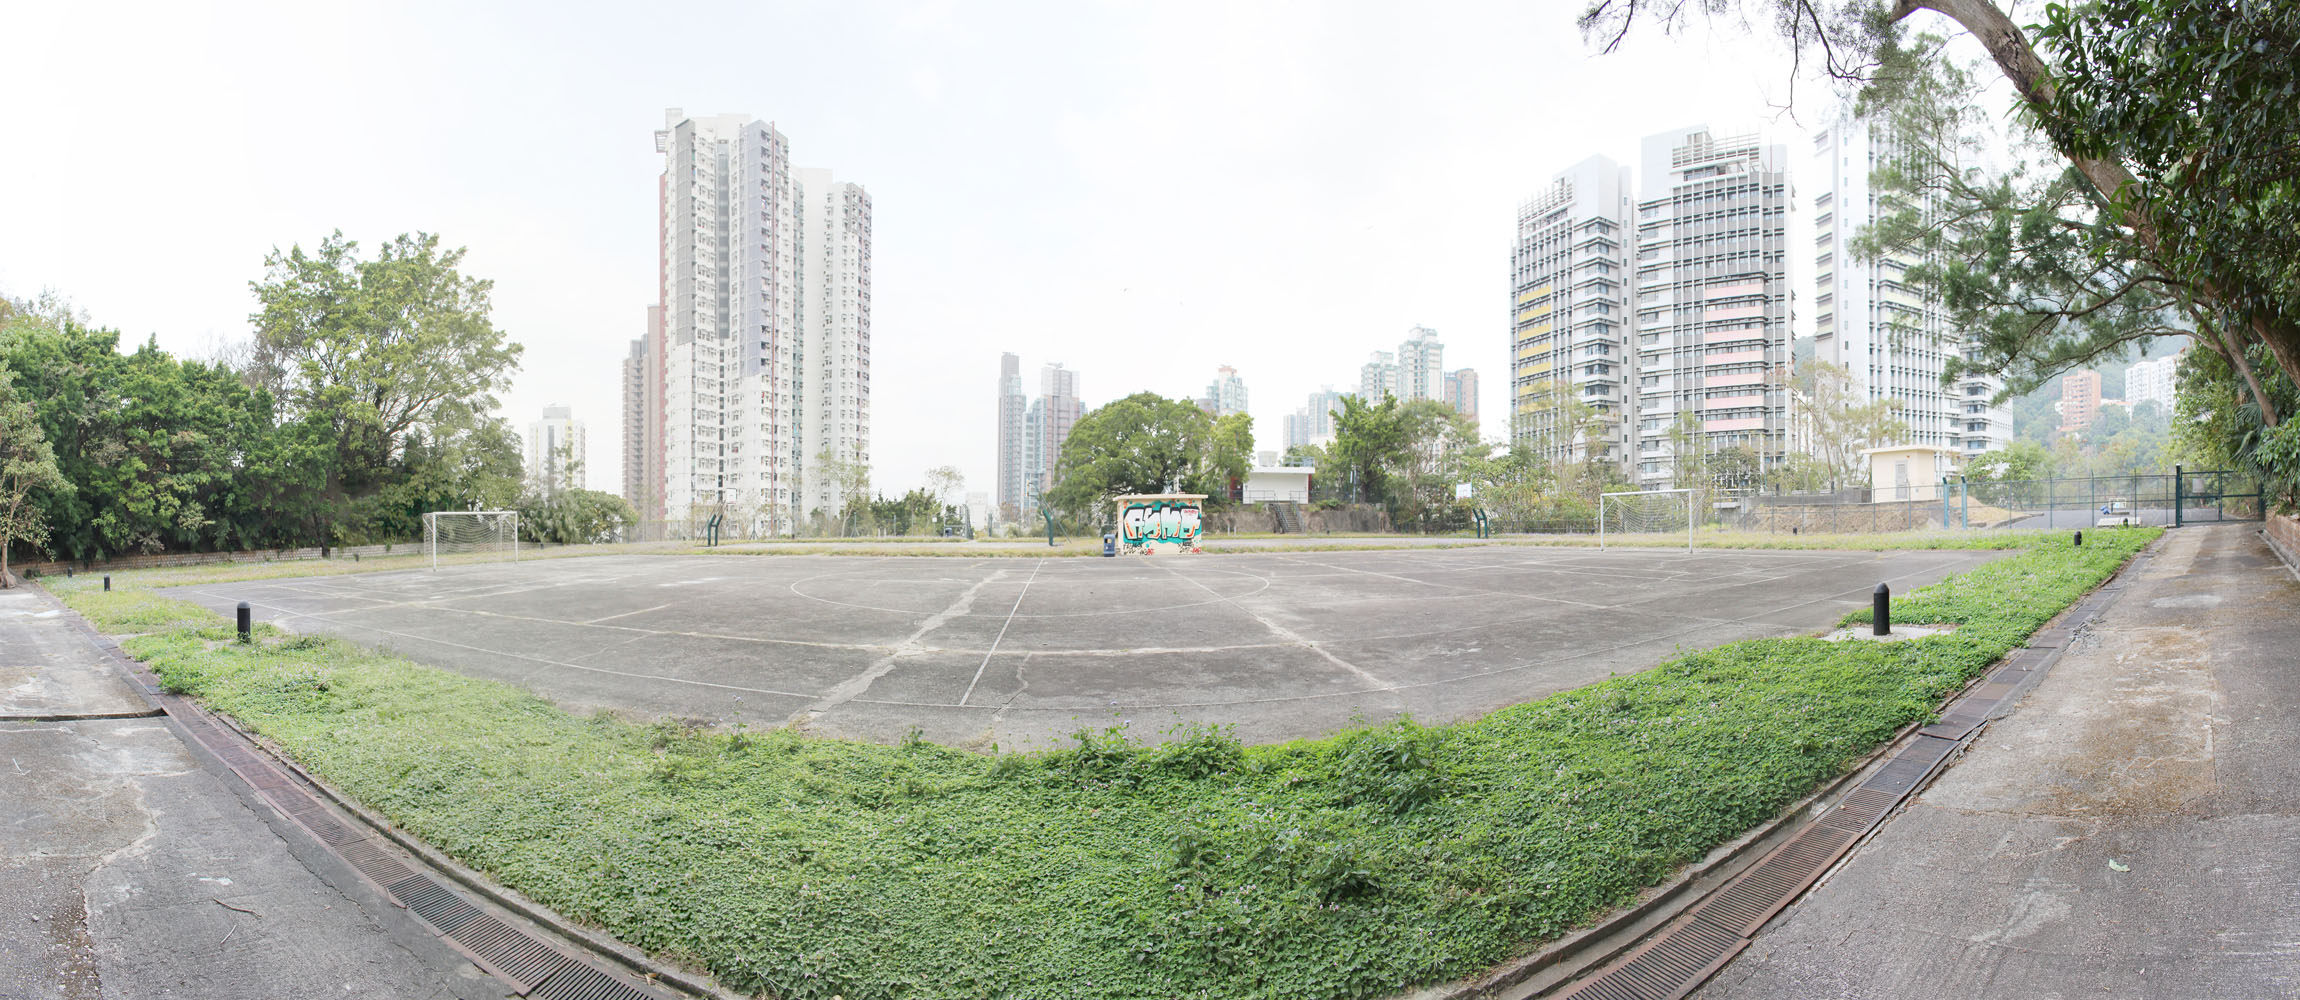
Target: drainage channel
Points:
(529, 963)
(1694, 946)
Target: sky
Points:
(1142, 192)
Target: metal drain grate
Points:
(1668, 968)
(505, 951)
(435, 903)
(582, 982)
(330, 832)
(1859, 811)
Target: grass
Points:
(1353, 866)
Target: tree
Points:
(366, 356)
(2020, 461)
(944, 480)
(1837, 425)
(162, 454)
(27, 464)
(1144, 443)
(1370, 444)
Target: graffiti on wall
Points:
(1148, 524)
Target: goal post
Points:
(1646, 512)
(488, 532)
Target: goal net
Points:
(1646, 514)
(486, 533)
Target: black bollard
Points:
(245, 615)
(2080, 539)
(107, 581)
(1881, 611)
(355, 557)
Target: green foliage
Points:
(1355, 866)
(27, 463)
(159, 453)
(575, 517)
(385, 370)
(1146, 443)
(2200, 101)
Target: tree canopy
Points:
(1146, 443)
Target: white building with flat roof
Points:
(761, 352)
(1569, 317)
(1712, 302)
(2153, 382)
(1894, 338)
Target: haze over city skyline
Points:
(1143, 195)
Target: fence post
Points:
(2177, 503)
(1965, 504)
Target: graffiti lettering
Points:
(1158, 524)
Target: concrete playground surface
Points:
(1022, 653)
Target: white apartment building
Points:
(1712, 300)
(1569, 315)
(1421, 366)
(1894, 339)
(2153, 381)
(764, 334)
(832, 360)
(1378, 376)
(1013, 405)
(1313, 423)
(552, 443)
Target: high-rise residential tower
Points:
(1893, 339)
(1058, 389)
(1569, 314)
(1013, 404)
(1712, 319)
(831, 366)
(1226, 394)
(1313, 424)
(635, 383)
(1378, 377)
(1461, 391)
(2153, 382)
(555, 450)
(1421, 365)
(764, 333)
(1031, 433)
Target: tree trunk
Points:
(2033, 79)
(2231, 347)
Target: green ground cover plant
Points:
(1357, 865)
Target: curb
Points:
(1578, 961)
(237, 750)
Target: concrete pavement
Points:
(2132, 829)
(131, 866)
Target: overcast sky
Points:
(1141, 191)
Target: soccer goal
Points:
(1645, 512)
(491, 533)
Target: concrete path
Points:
(2131, 830)
(130, 869)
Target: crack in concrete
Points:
(854, 687)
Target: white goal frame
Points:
(1602, 498)
(505, 517)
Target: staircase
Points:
(1289, 517)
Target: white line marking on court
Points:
(853, 687)
(558, 663)
(993, 650)
(1289, 635)
(625, 614)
